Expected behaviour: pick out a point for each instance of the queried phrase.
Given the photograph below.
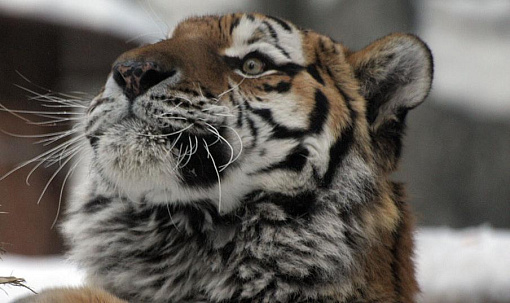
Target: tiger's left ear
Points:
(395, 75)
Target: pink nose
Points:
(137, 77)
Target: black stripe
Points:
(320, 112)
(253, 40)
(234, 25)
(312, 70)
(219, 24)
(272, 31)
(281, 87)
(227, 251)
(284, 52)
(97, 204)
(295, 161)
(337, 153)
(290, 69)
(94, 139)
(299, 206)
(253, 130)
(348, 99)
(279, 131)
(282, 23)
(240, 112)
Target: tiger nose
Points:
(135, 78)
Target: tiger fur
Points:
(246, 160)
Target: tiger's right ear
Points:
(395, 75)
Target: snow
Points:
(39, 272)
(469, 266)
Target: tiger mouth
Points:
(200, 155)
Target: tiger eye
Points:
(253, 66)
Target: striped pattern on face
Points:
(213, 130)
(248, 161)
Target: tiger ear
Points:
(395, 75)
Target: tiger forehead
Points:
(241, 34)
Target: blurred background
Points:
(456, 160)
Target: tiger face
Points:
(240, 103)
(246, 160)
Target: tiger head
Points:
(234, 104)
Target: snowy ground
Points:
(468, 266)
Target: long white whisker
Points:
(166, 134)
(240, 143)
(53, 177)
(43, 113)
(217, 133)
(47, 154)
(47, 158)
(170, 213)
(69, 173)
(55, 138)
(188, 154)
(209, 155)
(230, 89)
(56, 121)
(38, 135)
(48, 90)
(63, 105)
(49, 97)
(5, 109)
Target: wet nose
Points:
(135, 78)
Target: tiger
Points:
(244, 159)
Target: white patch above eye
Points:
(287, 48)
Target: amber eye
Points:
(253, 66)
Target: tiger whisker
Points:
(179, 159)
(51, 140)
(49, 97)
(68, 174)
(216, 132)
(240, 146)
(49, 90)
(166, 134)
(55, 121)
(171, 118)
(41, 113)
(48, 160)
(5, 109)
(46, 155)
(223, 115)
(230, 89)
(36, 136)
(53, 177)
(209, 155)
(61, 105)
(189, 154)
(172, 108)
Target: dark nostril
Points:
(153, 77)
(135, 78)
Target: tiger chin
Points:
(246, 160)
